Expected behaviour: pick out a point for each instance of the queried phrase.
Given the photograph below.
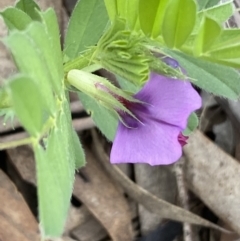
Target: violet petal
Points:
(154, 143)
(171, 100)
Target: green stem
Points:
(80, 62)
(13, 144)
(92, 68)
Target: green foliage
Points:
(15, 18)
(214, 78)
(206, 4)
(151, 15)
(52, 49)
(132, 14)
(55, 173)
(124, 9)
(29, 7)
(30, 106)
(126, 85)
(220, 13)
(226, 49)
(79, 155)
(121, 52)
(227, 46)
(178, 22)
(208, 33)
(86, 25)
(34, 63)
(192, 124)
(38, 99)
(105, 120)
(111, 6)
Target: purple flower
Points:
(155, 137)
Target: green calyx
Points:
(101, 90)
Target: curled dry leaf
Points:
(149, 201)
(213, 176)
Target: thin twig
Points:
(183, 197)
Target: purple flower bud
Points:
(171, 62)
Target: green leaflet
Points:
(123, 9)
(79, 155)
(127, 86)
(104, 120)
(206, 3)
(229, 52)
(15, 18)
(228, 38)
(220, 13)
(29, 7)
(214, 78)
(111, 6)
(227, 46)
(151, 15)
(38, 33)
(132, 14)
(33, 63)
(54, 56)
(192, 124)
(30, 106)
(87, 23)
(178, 22)
(209, 31)
(55, 174)
(226, 49)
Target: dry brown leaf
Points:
(16, 220)
(214, 177)
(90, 230)
(149, 201)
(23, 160)
(229, 237)
(104, 200)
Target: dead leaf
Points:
(214, 177)
(16, 220)
(149, 201)
(103, 199)
(91, 230)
